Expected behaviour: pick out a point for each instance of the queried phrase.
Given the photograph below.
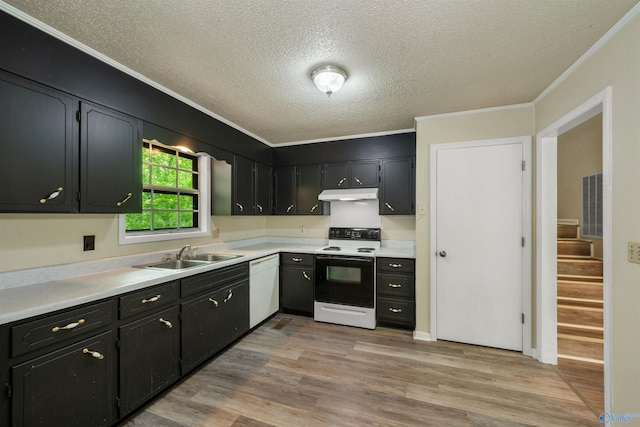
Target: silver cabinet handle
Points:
(295, 259)
(152, 299)
(166, 322)
(395, 265)
(389, 206)
(314, 207)
(290, 207)
(67, 327)
(228, 298)
(355, 178)
(394, 285)
(93, 353)
(52, 195)
(341, 181)
(240, 207)
(260, 208)
(214, 302)
(306, 276)
(123, 201)
(395, 310)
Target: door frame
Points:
(527, 196)
(546, 234)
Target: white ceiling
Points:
(249, 61)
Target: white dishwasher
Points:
(264, 288)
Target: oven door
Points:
(345, 280)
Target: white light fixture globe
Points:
(329, 78)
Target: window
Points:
(592, 205)
(175, 196)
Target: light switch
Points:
(633, 249)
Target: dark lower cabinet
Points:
(212, 321)
(395, 290)
(73, 386)
(149, 357)
(297, 278)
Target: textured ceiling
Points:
(249, 61)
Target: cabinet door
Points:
(242, 186)
(297, 289)
(336, 175)
(111, 168)
(149, 357)
(212, 321)
(308, 187)
(285, 191)
(264, 189)
(397, 193)
(39, 147)
(364, 174)
(74, 386)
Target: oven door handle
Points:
(345, 258)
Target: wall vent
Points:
(592, 205)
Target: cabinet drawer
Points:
(52, 329)
(214, 279)
(397, 265)
(147, 300)
(400, 312)
(306, 260)
(395, 285)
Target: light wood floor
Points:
(292, 371)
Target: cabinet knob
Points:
(214, 302)
(355, 178)
(93, 353)
(69, 326)
(389, 206)
(395, 265)
(228, 298)
(259, 208)
(289, 208)
(123, 201)
(52, 195)
(314, 207)
(341, 181)
(240, 207)
(296, 259)
(306, 276)
(166, 322)
(395, 310)
(394, 285)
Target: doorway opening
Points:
(547, 266)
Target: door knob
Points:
(443, 254)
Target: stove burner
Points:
(366, 250)
(331, 248)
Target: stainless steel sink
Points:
(175, 264)
(197, 261)
(213, 257)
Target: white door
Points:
(479, 243)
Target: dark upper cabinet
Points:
(263, 189)
(39, 140)
(308, 186)
(111, 161)
(243, 185)
(284, 202)
(397, 186)
(353, 174)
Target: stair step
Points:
(581, 330)
(575, 247)
(580, 289)
(570, 231)
(580, 267)
(586, 316)
(569, 359)
(583, 347)
(580, 302)
(580, 278)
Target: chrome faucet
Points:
(184, 248)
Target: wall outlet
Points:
(633, 250)
(215, 233)
(89, 243)
(302, 230)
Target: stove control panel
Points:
(354, 233)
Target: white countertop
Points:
(21, 302)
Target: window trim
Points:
(204, 212)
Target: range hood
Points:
(349, 194)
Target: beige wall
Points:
(615, 64)
(471, 126)
(579, 154)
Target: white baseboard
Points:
(422, 336)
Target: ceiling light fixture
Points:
(329, 78)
